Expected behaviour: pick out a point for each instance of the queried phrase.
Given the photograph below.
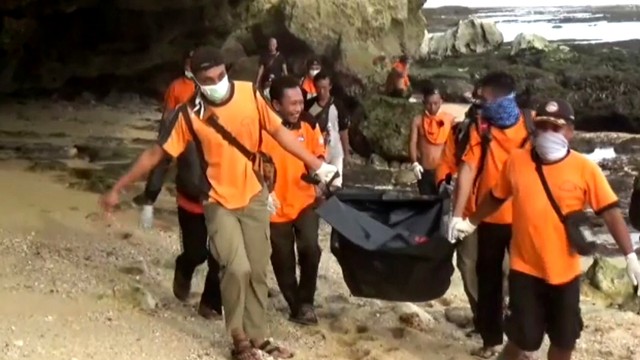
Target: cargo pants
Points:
(239, 241)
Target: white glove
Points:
(459, 228)
(633, 269)
(417, 170)
(326, 172)
(272, 203)
(146, 217)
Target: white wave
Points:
(600, 154)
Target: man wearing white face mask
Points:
(308, 86)
(546, 184)
(226, 121)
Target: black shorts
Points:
(536, 308)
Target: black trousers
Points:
(536, 308)
(301, 235)
(194, 253)
(427, 183)
(493, 243)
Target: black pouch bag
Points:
(573, 221)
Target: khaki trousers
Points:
(239, 241)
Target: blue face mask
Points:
(503, 112)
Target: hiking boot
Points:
(181, 286)
(207, 312)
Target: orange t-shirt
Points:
(448, 166)
(539, 244)
(293, 194)
(309, 87)
(401, 68)
(233, 182)
(503, 143)
(180, 91)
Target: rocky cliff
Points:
(139, 43)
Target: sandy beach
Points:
(76, 285)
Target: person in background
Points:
(544, 281)
(235, 206)
(501, 129)
(331, 117)
(294, 223)
(429, 132)
(181, 89)
(272, 65)
(307, 83)
(398, 84)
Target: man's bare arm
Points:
(284, 69)
(463, 188)
(413, 139)
(290, 144)
(141, 167)
(618, 229)
(344, 139)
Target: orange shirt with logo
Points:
(293, 194)
(503, 143)
(244, 114)
(180, 91)
(539, 244)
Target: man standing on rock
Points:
(398, 83)
(547, 185)
(193, 230)
(330, 116)
(226, 121)
(272, 65)
(294, 223)
(307, 83)
(502, 129)
(429, 132)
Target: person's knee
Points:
(239, 271)
(528, 340)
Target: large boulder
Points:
(530, 42)
(47, 44)
(386, 126)
(471, 36)
(611, 284)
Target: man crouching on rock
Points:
(226, 120)
(294, 223)
(429, 132)
(549, 184)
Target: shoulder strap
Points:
(547, 190)
(184, 110)
(212, 121)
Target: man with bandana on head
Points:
(546, 185)
(226, 120)
(502, 129)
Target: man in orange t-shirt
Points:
(294, 223)
(227, 120)
(501, 130)
(193, 230)
(307, 83)
(429, 132)
(398, 83)
(181, 89)
(544, 281)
